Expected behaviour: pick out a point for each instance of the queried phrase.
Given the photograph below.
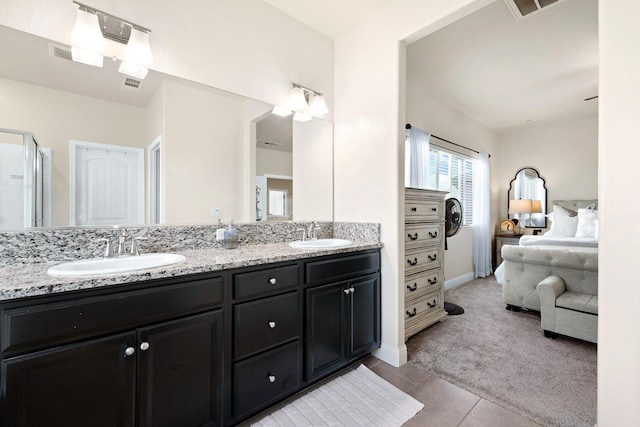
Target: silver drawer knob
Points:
(272, 280)
(129, 351)
(144, 346)
(272, 325)
(352, 290)
(347, 291)
(272, 378)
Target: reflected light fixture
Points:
(307, 103)
(281, 111)
(86, 39)
(93, 26)
(137, 55)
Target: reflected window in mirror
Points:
(528, 185)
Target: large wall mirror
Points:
(163, 150)
(528, 185)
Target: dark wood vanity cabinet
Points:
(155, 360)
(201, 350)
(343, 317)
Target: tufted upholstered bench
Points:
(560, 282)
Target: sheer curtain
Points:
(482, 217)
(416, 158)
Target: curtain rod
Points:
(408, 126)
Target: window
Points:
(453, 173)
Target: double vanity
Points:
(211, 340)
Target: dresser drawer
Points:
(422, 308)
(420, 284)
(265, 323)
(50, 324)
(342, 268)
(416, 260)
(266, 378)
(420, 235)
(265, 281)
(422, 210)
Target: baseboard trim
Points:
(458, 281)
(393, 356)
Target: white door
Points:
(106, 184)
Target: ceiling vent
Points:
(131, 83)
(524, 8)
(60, 51)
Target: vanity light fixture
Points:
(86, 39)
(307, 103)
(93, 26)
(281, 111)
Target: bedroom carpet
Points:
(503, 357)
(357, 398)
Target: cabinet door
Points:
(86, 384)
(326, 348)
(180, 372)
(364, 316)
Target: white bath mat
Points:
(357, 398)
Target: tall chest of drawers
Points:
(423, 259)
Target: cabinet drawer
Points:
(422, 210)
(46, 325)
(419, 235)
(265, 281)
(342, 268)
(421, 308)
(266, 323)
(418, 285)
(417, 260)
(266, 378)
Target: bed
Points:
(556, 253)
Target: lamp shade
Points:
(137, 55)
(297, 100)
(317, 106)
(301, 117)
(520, 206)
(536, 206)
(87, 40)
(281, 111)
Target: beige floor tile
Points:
(486, 413)
(390, 374)
(444, 403)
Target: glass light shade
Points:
(536, 206)
(317, 106)
(297, 101)
(138, 50)
(520, 206)
(281, 111)
(133, 70)
(86, 39)
(301, 117)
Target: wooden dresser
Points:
(423, 259)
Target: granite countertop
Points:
(25, 280)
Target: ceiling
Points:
(500, 72)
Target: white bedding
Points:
(566, 243)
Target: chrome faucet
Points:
(312, 231)
(122, 238)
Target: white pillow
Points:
(565, 222)
(587, 223)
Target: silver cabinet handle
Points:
(347, 291)
(352, 290)
(144, 346)
(272, 325)
(272, 280)
(129, 351)
(272, 378)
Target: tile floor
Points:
(444, 403)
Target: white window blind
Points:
(453, 173)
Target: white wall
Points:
(202, 148)
(619, 180)
(437, 118)
(565, 154)
(273, 162)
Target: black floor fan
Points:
(452, 223)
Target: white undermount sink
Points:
(119, 264)
(320, 243)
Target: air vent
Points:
(131, 83)
(524, 8)
(270, 143)
(60, 51)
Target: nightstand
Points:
(502, 240)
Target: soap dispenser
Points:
(230, 237)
